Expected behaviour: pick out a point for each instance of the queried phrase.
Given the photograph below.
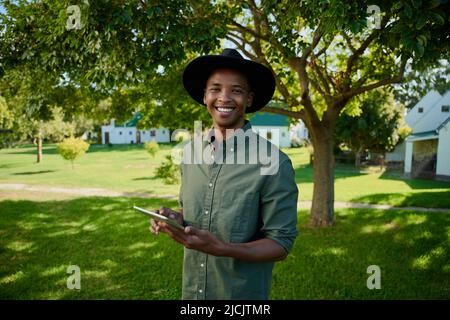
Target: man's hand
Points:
(202, 240)
(157, 226)
(195, 239)
(190, 237)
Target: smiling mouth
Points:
(225, 110)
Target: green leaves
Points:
(72, 148)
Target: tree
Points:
(36, 116)
(419, 82)
(322, 52)
(72, 148)
(151, 147)
(376, 126)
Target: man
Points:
(238, 220)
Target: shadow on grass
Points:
(125, 147)
(145, 178)
(105, 237)
(33, 172)
(304, 173)
(120, 259)
(411, 249)
(49, 149)
(416, 183)
(434, 199)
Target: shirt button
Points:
(206, 211)
(200, 290)
(231, 149)
(202, 265)
(210, 185)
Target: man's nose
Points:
(225, 96)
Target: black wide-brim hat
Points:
(260, 78)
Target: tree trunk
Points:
(322, 209)
(357, 159)
(39, 147)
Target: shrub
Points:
(72, 148)
(152, 147)
(168, 171)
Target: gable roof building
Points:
(427, 149)
(273, 127)
(128, 133)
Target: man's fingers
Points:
(154, 228)
(191, 231)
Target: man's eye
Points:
(237, 91)
(214, 89)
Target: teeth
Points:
(225, 109)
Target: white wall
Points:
(160, 135)
(426, 103)
(280, 135)
(408, 156)
(433, 117)
(398, 154)
(121, 135)
(443, 153)
(299, 131)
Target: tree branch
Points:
(293, 114)
(299, 65)
(349, 42)
(398, 78)
(358, 52)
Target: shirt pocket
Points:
(237, 219)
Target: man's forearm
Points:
(256, 251)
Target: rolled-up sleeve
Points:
(279, 206)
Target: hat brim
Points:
(261, 79)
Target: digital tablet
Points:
(160, 217)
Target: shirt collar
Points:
(210, 138)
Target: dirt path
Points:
(98, 192)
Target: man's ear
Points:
(204, 96)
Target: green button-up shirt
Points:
(238, 202)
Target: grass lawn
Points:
(120, 259)
(129, 168)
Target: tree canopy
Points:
(376, 126)
(322, 53)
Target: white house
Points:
(273, 127)
(427, 149)
(299, 131)
(129, 134)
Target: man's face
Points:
(227, 95)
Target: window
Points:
(269, 135)
(120, 133)
(445, 108)
(283, 134)
(420, 110)
(164, 132)
(131, 132)
(143, 132)
(152, 133)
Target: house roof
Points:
(132, 122)
(443, 124)
(427, 135)
(269, 119)
(433, 116)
